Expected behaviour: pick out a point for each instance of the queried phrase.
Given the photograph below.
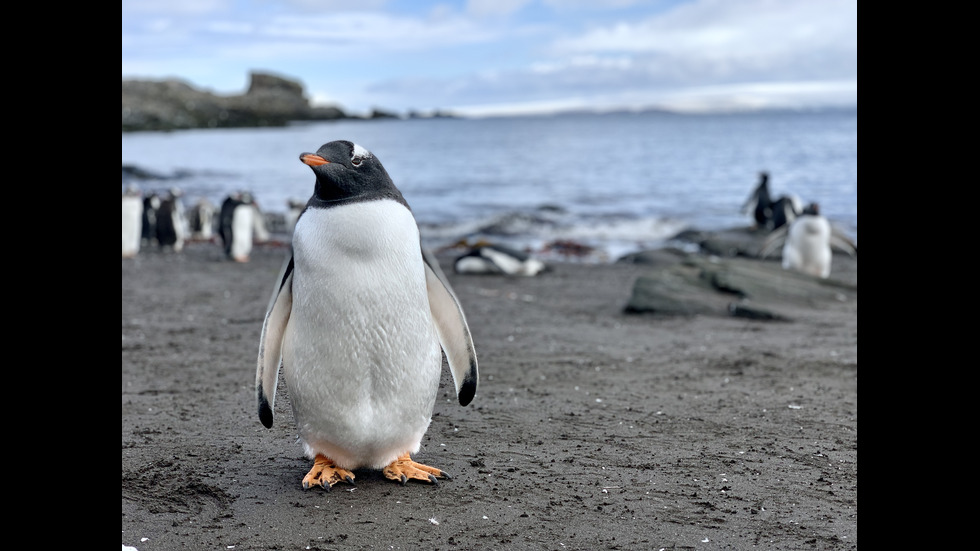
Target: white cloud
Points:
(509, 52)
(713, 28)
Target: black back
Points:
(763, 204)
(150, 217)
(166, 231)
(225, 216)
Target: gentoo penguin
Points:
(358, 317)
(259, 227)
(172, 226)
(228, 205)
(784, 211)
(151, 204)
(201, 220)
(759, 203)
(807, 243)
(132, 221)
(497, 259)
(771, 214)
(240, 228)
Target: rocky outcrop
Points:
(172, 104)
(694, 284)
(727, 277)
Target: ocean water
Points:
(618, 182)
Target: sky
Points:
(500, 57)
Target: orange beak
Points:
(313, 160)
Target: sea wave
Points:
(555, 233)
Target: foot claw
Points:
(325, 473)
(403, 469)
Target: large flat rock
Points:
(696, 284)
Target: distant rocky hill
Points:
(172, 104)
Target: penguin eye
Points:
(357, 161)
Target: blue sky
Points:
(486, 57)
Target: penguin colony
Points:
(162, 220)
(801, 234)
(359, 320)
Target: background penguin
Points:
(771, 214)
(759, 203)
(172, 227)
(807, 243)
(224, 219)
(260, 228)
(486, 258)
(360, 318)
(241, 227)
(201, 220)
(151, 204)
(132, 221)
(783, 211)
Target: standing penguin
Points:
(784, 211)
(359, 320)
(201, 220)
(237, 225)
(151, 204)
(759, 203)
(807, 243)
(240, 228)
(172, 228)
(260, 228)
(132, 221)
(224, 218)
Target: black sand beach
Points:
(592, 428)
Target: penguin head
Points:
(346, 172)
(764, 184)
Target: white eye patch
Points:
(360, 152)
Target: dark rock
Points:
(173, 104)
(379, 114)
(732, 286)
(437, 114)
(745, 241)
(656, 258)
(133, 172)
(744, 311)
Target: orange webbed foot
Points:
(403, 469)
(325, 474)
